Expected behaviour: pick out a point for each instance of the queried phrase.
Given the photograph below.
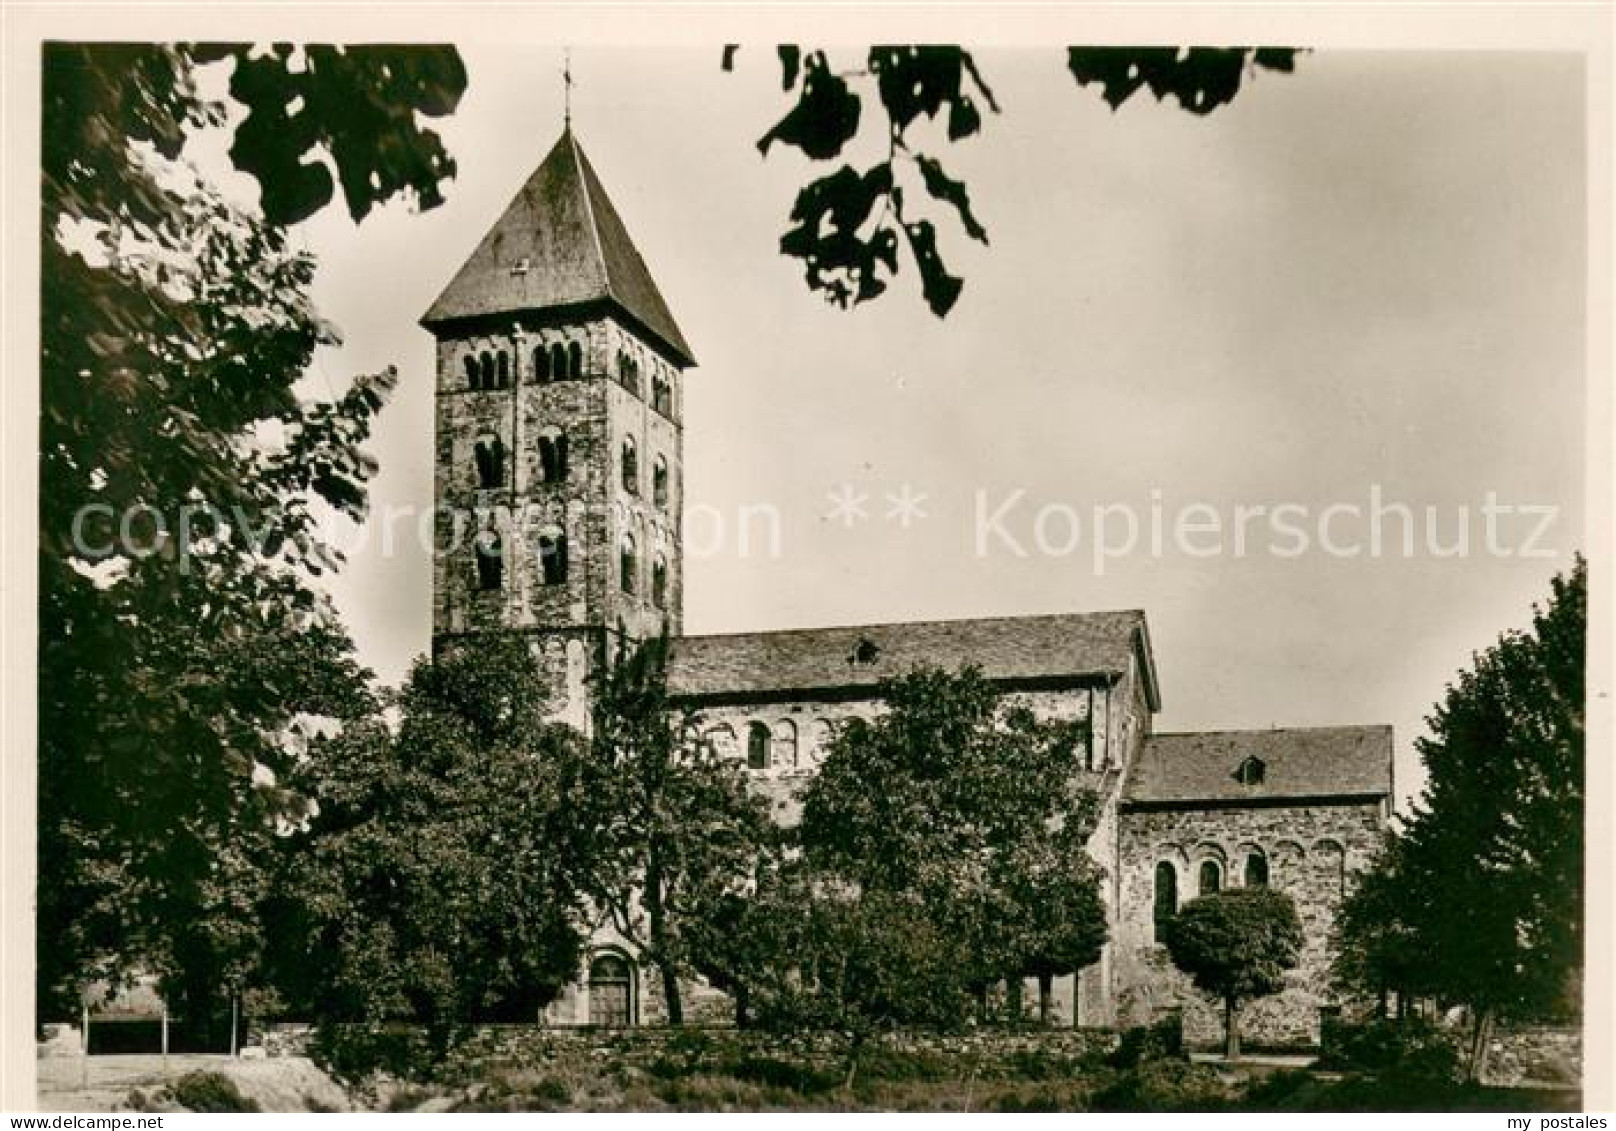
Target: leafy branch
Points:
(847, 227)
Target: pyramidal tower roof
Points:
(560, 242)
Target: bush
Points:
(775, 1073)
(1164, 1085)
(1162, 1041)
(209, 1091)
(1412, 1049)
(352, 1054)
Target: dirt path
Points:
(289, 1083)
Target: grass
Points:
(930, 1082)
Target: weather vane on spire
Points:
(566, 85)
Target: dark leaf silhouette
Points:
(941, 290)
(946, 188)
(830, 217)
(916, 82)
(790, 63)
(359, 106)
(1199, 79)
(825, 117)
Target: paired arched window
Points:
(490, 561)
(758, 741)
(662, 395)
(562, 361)
(1256, 870)
(487, 371)
(552, 454)
(1211, 877)
(1166, 898)
(490, 456)
(628, 562)
(553, 555)
(659, 482)
(659, 582)
(631, 466)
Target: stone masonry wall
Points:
(1312, 852)
(571, 621)
(801, 730)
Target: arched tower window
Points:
(490, 561)
(541, 364)
(486, 370)
(659, 482)
(661, 395)
(471, 370)
(659, 582)
(558, 362)
(553, 454)
(553, 555)
(1256, 870)
(575, 360)
(611, 992)
(1211, 877)
(628, 562)
(490, 456)
(758, 741)
(631, 466)
(503, 369)
(1166, 898)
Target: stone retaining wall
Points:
(492, 1048)
(1538, 1055)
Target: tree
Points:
(846, 225)
(1484, 879)
(1059, 921)
(981, 820)
(814, 953)
(1375, 946)
(1236, 945)
(437, 880)
(672, 829)
(182, 476)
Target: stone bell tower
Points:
(559, 449)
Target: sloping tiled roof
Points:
(1005, 648)
(577, 250)
(1305, 762)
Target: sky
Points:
(1368, 275)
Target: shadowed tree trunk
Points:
(657, 913)
(1231, 1029)
(1046, 985)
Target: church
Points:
(558, 478)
